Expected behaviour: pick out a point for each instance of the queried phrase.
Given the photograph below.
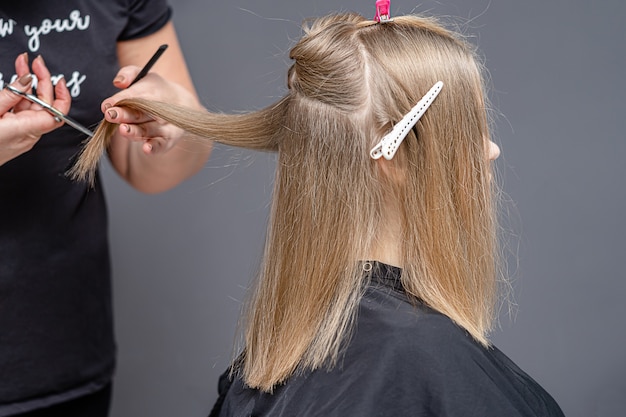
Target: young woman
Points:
(379, 279)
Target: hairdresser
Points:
(57, 350)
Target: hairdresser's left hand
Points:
(150, 154)
(156, 136)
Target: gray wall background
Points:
(183, 259)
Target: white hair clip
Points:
(390, 143)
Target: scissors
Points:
(58, 115)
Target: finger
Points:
(125, 76)
(22, 68)
(158, 145)
(150, 146)
(21, 65)
(146, 132)
(9, 99)
(62, 97)
(136, 133)
(28, 124)
(45, 91)
(122, 80)
(124, 115)
(132, 132)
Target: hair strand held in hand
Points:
(84, 169)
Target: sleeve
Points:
(144, 18)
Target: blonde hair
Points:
(351, 80)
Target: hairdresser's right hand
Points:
(158, 137)
(22, 123)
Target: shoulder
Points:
(145, 18)
(435, 366)
(389, 320)
(404, 359)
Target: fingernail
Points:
(126, 128)
(118, 79)
(25, 80)
(107, 106)
(25, 55)
(41, 58)
(112, 114)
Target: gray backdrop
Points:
(183, 259)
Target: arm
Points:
(21, 128)
(151, 155)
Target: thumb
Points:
(9, 99)
(125, 76)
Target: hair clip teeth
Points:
(389, 144)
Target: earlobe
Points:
(494, 151)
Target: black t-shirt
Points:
(56, 333)
(404, 359)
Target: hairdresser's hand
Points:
(22, 123)
(149, 154)
(157, 136)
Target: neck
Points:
(387, 246)
(387, 254)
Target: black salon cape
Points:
(402, 360)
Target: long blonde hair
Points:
(351, 80)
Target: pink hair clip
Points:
(382, 11)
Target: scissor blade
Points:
(54, 111)
(76, 125)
